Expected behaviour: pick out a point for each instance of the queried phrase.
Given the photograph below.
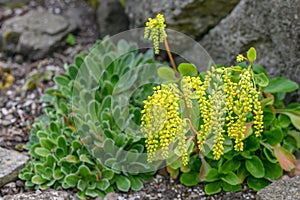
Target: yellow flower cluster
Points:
(161, 120)
(204, 106)
(155, 31)
(224, 105)
(240, 58)
(186, 88)
(241, 98)
(258, 114)
(218, 115)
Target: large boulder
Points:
(281, 189)
(192, 17)
(34, 34)
(271, 26)
(11, 162)
(111, 18)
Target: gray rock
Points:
(192, 17)
(271, 26)
(111, 18)
(13, 2)
(287, 189)
(34, 34)
(44, 195)
(11, 162)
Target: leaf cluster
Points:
(83, 139)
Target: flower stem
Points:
(171, 57)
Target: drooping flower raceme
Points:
(161, 121)
(155, 31)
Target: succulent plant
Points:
(88, 137)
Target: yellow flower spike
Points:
(160, 136)
(155, 31)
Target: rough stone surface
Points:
(34, 34)
(13, 2)
(11, 162)
(111, 18)
(271, 26)
(287, 189)
(192, 17)
(44, 195)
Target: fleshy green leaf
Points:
(187, 69)
(233, 188)
(274, 136)
(251, 54)
(255, 167)
(261, 79)
(257, 183)
(81, 185)
(37, 179)
(281, 84)
(295, 118)
(57, 174)
(136, 183)
(273, 171)
(296, 136)
(71, 180)
(42, 152)
(213, 188)
(103, 184)
(166, 73)
(212, 175)
(61, 80)
(107, 174)
(123, 183)
(231, 178)
(85, 158)
(189, 179)
(229, 166)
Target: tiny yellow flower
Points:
(155, 31)
(240, 58)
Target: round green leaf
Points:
(257, 183)
(136, 183)
(71, 180)
(213, 188)
(123, 183)
(229, 166)
(166, 73)
(274, 136)
(231, 178)
(190, 179)
(103, 184)
(273, 171)
(107, 174)
(187, 69)
(37, 179)
(212, 175)
(255, 167)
